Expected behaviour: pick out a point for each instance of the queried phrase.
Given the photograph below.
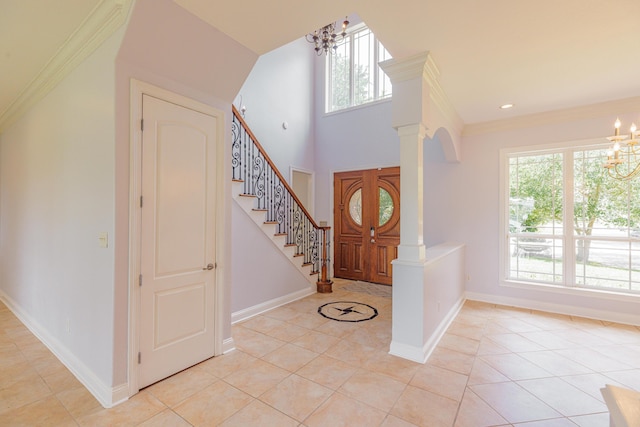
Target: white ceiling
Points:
(541, 55)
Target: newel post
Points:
(324, 283)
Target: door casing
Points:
(138, 88)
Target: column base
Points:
(324, 287)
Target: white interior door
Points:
(177, 252)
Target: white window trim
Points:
(569, 288)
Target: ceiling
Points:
(541, 55)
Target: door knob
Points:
(209, 267)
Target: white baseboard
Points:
(570, 310)
(247, 313)
(421, 355)
(106, 395)
(228, 345)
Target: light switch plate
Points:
(103, 239)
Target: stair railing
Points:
(260, 178)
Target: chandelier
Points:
(325, 38)
(623, 157)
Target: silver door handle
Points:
(209, 267)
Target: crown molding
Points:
(100, 24)
(627, 105)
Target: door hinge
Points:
(140, 280)
(139, 358)
(142, 125)
(140, 201)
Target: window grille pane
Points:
(363, 55)
(340, 82)
(536, 259)
(535, 194)
(607, 264)
(602, 206)
(384, 83)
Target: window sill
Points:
(357, 107)
(575, 291)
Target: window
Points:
(569, 223)
(353, 75)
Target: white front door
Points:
(177, 251)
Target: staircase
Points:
(263, 193)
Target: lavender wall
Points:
(462, 204)
(168, 47)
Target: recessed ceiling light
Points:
(506, 106)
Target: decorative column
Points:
(410, 107)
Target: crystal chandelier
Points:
(623, 157)
(325, 38)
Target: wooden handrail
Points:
(321, 233)
(286, 185)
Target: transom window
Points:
(569, 223)
(353, 75)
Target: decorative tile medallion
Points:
(347, 311)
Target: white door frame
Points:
(312, 178)
(138, 88)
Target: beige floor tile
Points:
(180, 386)
(283, 313)
(226, 364)
(132, 412)
(474, 412)
(563, 397)
(459, 343)
(555, 422)
(375, 389)
(296, 397)
(591, 420)
(338, 329)
(514, 403)
(452, 360)
(393, 421)
(255, 343)
(554, 362)
(258, 414)
(45, 412)
(166, 418)
(351, 352)
(396, 367)
(483, 373)
(515, 342)
(490, 347)
(627, 354)
(258, 377)
(424, 408)
(327, 371)
(262, 323)
(463, 329)
(23, 393)
(290, 357)
(440, 381)
(48, 365)
(61, 381)
(213, 405)
(17, 372)
(591, 383)
(342, 411)
(316, 342)
(594, 360)
(515, 366)
(549, 340)
(79, 402)
(287, 332)
(311, 319)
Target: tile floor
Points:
(496, 366)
